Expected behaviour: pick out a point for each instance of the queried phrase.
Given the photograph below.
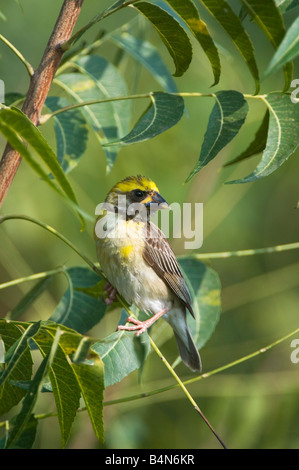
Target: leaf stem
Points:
(32, 277)
(183, 387)
(28, 66)
(48, 116)
(205, 375)
(109, 11)
(250, 252)
(44, 118)
(186, 382)
(57, 234)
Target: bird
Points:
(140, 265)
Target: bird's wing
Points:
(160, 256)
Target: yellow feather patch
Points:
(125, 251)
(136, 182)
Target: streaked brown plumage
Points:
(141, 265)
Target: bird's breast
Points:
(120, 254)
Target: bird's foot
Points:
(140, 326)
(111, 294)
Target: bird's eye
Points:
(138, 193)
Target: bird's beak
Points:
(157, 199)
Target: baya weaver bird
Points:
(140, 265)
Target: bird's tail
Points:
(187, 349)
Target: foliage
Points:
(91, 99)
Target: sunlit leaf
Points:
(205, 288)
(20, 370)
(71, 133)
(122, 352)
(15, 353)
(257, 145)
(98, 79)
(148, 56)
(231, 23)
(164, 112)
(226, 119)
(90, 377)
(190, 15)
(63, 381)
(287, 50)
(81, 307)
(22, 419)
(171, 33)
(268, 17)
(282, 136)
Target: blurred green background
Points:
(253, 405)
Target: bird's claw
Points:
(111, 294)
(140, 326)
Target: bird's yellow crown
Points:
(135, 182)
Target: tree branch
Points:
(40, 85)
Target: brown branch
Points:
(40, 85)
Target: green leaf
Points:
(90, 378)
(285, 5)
(2, 351)
(71, 133)
(282, 136)
(190, 15)
(226, 119)
(118, 5)
(287, 50)
(14, 124)
(27, 437)
(269, 19)
(205, 288)
(257, 145)
(20, 124)
(171, 33)
(230, 22)
(13, 97)
(63, 380)
(81, 307)
(122, 352)
(22, 419)
(20, 370)
(15, 353)
(148, 56)
(98, 79)
(164, 112)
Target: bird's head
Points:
(136, 191)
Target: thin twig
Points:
(250, 252)
(48, 116)
(180, 384)
(56, 233)
(183, 387)
(31, 277)
(28, 66)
